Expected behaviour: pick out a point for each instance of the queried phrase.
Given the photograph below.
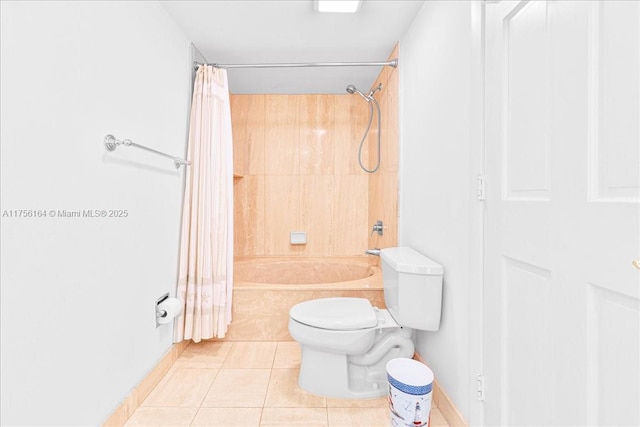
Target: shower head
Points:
(352, 89)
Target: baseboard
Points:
(140, 392)
(442, 401)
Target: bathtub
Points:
(266, 288)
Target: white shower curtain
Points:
(206, 249)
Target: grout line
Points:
(275, 353)
(194, 417)
(261, 415)
(209, 389)
(266, 392)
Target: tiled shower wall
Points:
(383, 185)
(296, 161)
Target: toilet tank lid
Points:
(338, 314)
(406, 260)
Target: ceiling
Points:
(269, 31)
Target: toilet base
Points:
(354, 377)
(330, 374)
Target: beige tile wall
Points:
(297, 158)
(383, 185)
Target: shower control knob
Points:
(378, 227)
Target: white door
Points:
(562, 135)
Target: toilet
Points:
(346, 342)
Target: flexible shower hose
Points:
(364, 138)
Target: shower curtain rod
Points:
(393, 63)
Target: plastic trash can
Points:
(410, 392)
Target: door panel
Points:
(562, 218)
(613, 83)
(526, 290)
(526, 144)
(613, 357)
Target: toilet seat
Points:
(337, 314)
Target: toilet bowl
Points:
(346, 342)
(344, 353)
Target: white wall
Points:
(436, 195)
(78, 294)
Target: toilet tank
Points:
(412, 288)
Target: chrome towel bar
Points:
(110, 143)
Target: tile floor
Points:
(250, 384)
